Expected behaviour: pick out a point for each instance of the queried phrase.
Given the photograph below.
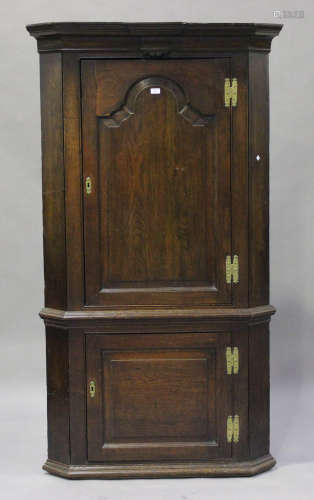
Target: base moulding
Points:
(161, 470)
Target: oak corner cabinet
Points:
(155, 143)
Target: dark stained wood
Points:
(156, 397)
(73, 180)
(240, 403)
(210, 314)
(58, 394)
(259, 390)
(53, 180)
(77, 396)
(156, 470)
(259, 180)
(156, 28)
(130, 106)
(165, 236)
(153, 39)
(161, 181)
(135, 290)
(239, 179)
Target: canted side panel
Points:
(77, 395)
(259, 390)
(57, 394)
(73, 179)
(258, 180)
(53, 180)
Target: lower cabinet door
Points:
(157, 396)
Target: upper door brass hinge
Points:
(232, 360)
(231, 92)
(232, 269)
(233, 429)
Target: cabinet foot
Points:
(161, 470)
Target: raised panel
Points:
(158, 220)
(142, 388)
(157, 400)
(155, 199)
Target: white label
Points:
(154, 91)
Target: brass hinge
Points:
(92, 389)
(231, 92)
(232, 360)
(88, 185)
(233, 429)
(232, 269)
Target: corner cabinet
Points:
(155, 211)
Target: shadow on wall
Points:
(292, 402)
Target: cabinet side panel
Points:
(53, 180)
(73, 177)
(258, 180)
(57, 394)
(77, 398)
(259, 390)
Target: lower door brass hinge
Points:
(233, 429)
(232, 360)
(232, 269)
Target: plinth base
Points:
(161, 470)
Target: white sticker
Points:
(154, 91)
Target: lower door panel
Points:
(157, 396)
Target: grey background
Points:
(22, 358)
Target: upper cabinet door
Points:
(156, 190)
